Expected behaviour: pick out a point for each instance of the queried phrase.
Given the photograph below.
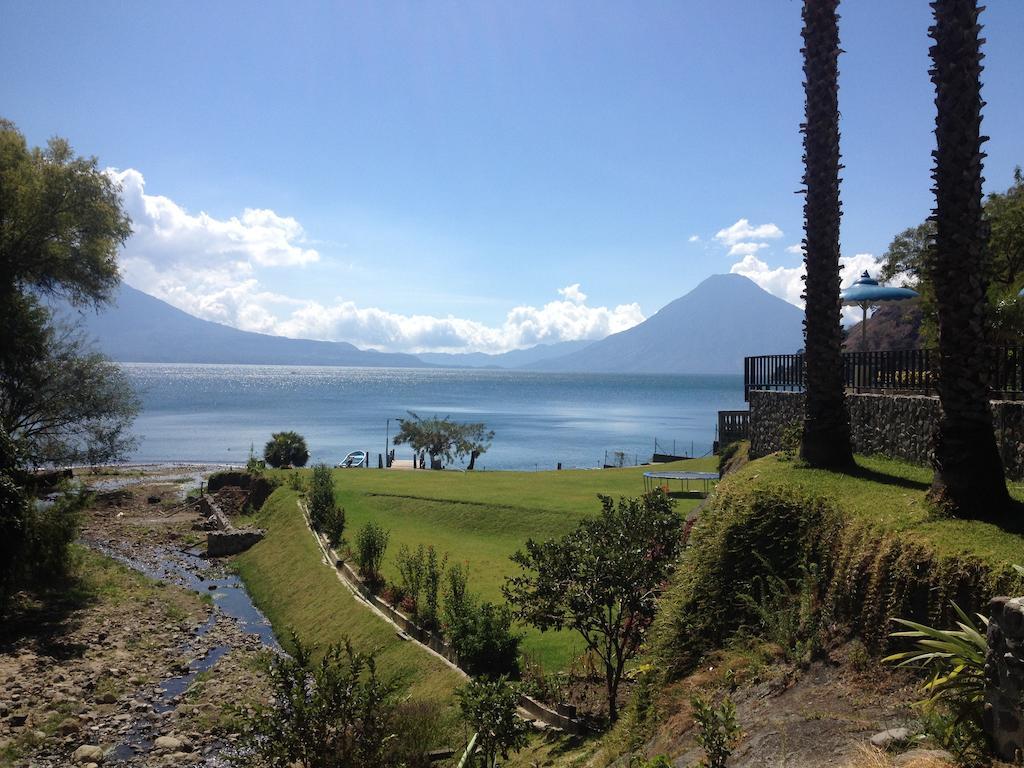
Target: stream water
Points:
(231, 602)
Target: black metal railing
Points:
(913, 371)
(733, 426)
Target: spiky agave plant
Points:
(969, 479)
(826, 426)
(955, 657)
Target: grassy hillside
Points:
(291, 585)
(862, 543)
(480, 519)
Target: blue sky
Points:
(440, 175)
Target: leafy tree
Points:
(444, 440)
(60, 401)
(331, 713)
(1003, 213)
(286, 449)
(61, 222)
(474, 440)
(826, 426)
(602, 579)
(969, 478)
(34, 539)
(489, 707)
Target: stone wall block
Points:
(1004, 677)
(899, 426)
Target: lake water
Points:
(213, 413)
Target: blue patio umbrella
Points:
(866, 292)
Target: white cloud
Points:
(743, 230)
(524, 326)
(746, 249)
(212, 268)
(796, 249)
(573, 293)
(694, 239)
(787, 282)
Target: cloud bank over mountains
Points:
(218, 269)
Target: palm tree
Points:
(969, 479)
(826, 427)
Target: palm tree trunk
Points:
(969, 479)
(826, 427)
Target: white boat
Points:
(354, 459)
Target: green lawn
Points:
(481, 518)
(890, 495)
(296, 590)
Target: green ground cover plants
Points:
(867, 537)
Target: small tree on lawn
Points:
(286, 449)
(489, 707)
(602, 579)
(443, 439)
(474, 440)
(324, 513)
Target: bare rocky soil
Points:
(125, 669)
(822, 714)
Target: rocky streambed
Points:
(150, 666)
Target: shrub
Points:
(321, 497)
(331, 713)
(432, 575)
(296, 483)
(489, 708)
(286, 449)
(481, 635)
(411, 567)
(371, 543)
(718, 730)
(458, 603)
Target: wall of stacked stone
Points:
(899, 426)
(1004, 677)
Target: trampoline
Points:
(653, 480)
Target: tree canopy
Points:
(443, 439)
(61, 224)
(907, 256)
(61, 221)
(286, 449)
(602, 579)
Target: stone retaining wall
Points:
(226, 539)
(1004, 677)
(899, 426)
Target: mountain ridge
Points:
(139, 328)
(708, 330)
